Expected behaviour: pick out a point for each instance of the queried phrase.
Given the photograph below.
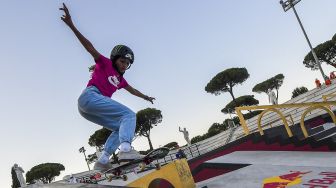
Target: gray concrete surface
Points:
(253, 176)
(295, 158)
(268, 164)
(77, 185)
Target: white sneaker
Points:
(101, 167)
(129, 156)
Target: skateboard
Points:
(119, 171)
(92, 178)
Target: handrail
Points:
(276, 120)
(325, 97)
(217, 140)
(303, 128)
(311, 106)
(289, 132)
(310, 96)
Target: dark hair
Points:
(114, 60)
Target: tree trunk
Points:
(231, 93)
(150, 143)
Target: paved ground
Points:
(289, 158)
(59, 185)
(298, 169)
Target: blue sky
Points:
(179, 46)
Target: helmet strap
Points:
(129, 66)
(114, 60)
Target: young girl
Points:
(95, 103)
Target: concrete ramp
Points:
(274, 169)
(269, 176)
(289, 158)
(174, 174)
(76, 185)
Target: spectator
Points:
(180, 153)
(332, 75)
(318, 83)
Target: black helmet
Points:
(122, 51)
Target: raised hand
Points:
(150, 99)
(66, 17)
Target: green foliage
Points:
(334, 39)
(214, 129)
(272, 83)
(197, 139)
(246, 100)
(250, 115)
(99, 137)
(326, 53)
(171, 145)
(226, 80)
(217, 128)
(234, 119)
(145, 120)
(15, 180)
(246, 116)
(298, 91)
(45, 172)
(261, 87)
(202, 137)
(92, 158)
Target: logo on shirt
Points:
(113, 80)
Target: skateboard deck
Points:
(118, 172)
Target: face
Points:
(123, 64)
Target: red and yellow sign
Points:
(285, 180)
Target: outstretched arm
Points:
(86, 43)
(139, 94)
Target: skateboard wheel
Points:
(110, 178)
(142, 166)
(124, 177)
(157, 166)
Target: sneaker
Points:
(101, 167)
(129, 156)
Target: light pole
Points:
(290, 4)
(82, 150)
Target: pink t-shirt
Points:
(106, 78)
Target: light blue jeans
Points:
(104, 111)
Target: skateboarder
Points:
(95, 103)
